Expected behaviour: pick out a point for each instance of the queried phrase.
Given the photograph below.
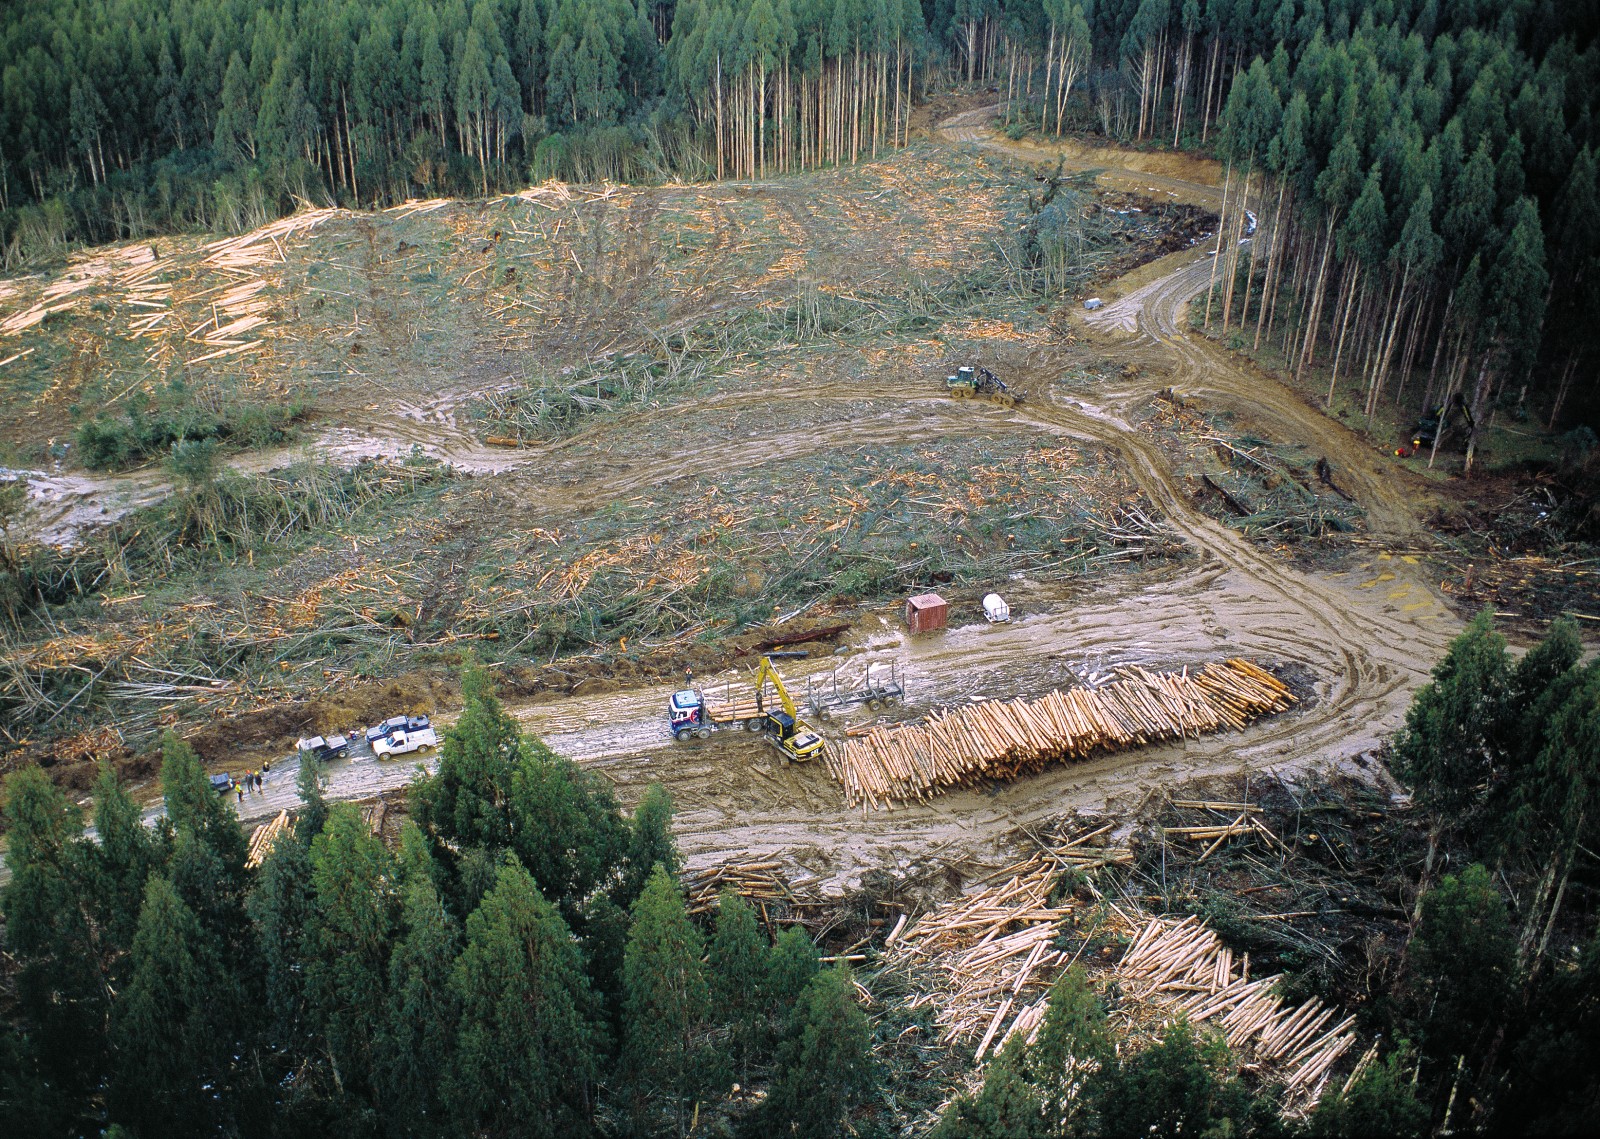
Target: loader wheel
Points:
(684, 734)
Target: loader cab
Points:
(794, 740)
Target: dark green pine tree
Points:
(466, 802)
(527, 1055)
(235, 133)
(1445, 749)
(170, 1025)
(565, 827)
(666, 1002)
(421, 1022)
(738, 967)
(1074, 1043)
(349, 939)
(126, 854)
(1461, 966)
(791, 966)
(1008, 1106)
(309, 784)
(280, 908)
(60, 992)
(825, 1065)
(1179, 1085)
(1381, 1102)
(192, 805)
(650, 844)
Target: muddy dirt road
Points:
(1359, 641)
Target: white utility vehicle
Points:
(403, 742)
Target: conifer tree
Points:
(59, 989)
(1008, 1106)
(1380, 1102)
(170, 1024)
(738, 969)
(791, 966)
(527, 1054)
(666, 1001)
(1462, 963)
(421, 1020)
(235, 134)
(192, 805)
(1445, 748)
(349, 939)
(280, 908)
(825, 1065)
(309, 784)
(1179, 1085)
(127, 853)
(565, 826)
(650, 844)
(1073, 1045)
(465, 802)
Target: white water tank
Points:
(995, 608)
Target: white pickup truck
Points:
(403, 742)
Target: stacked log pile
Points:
(263, 838)
(1005, 740)
(756, 882)
(1181, 968)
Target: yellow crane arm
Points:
(765, 671)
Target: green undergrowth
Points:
(1269, 490)
(149, 425)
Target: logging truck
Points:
(691, 716)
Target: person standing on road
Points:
(258, 782)
(239, 789)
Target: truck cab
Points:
(396, 724)
(323, 749)
(687, 715)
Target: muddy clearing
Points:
(1358, 637)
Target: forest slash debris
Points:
(990, 957)
(993, 951)
(980, 742)
(1181, 968)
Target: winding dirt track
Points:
(1366, 637)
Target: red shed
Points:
(926, 612)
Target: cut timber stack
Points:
(754, 881)
(988, 741)
(1183, 969)
(262, 840)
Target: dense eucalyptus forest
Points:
(1423, 173)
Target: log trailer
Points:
(691, 716)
